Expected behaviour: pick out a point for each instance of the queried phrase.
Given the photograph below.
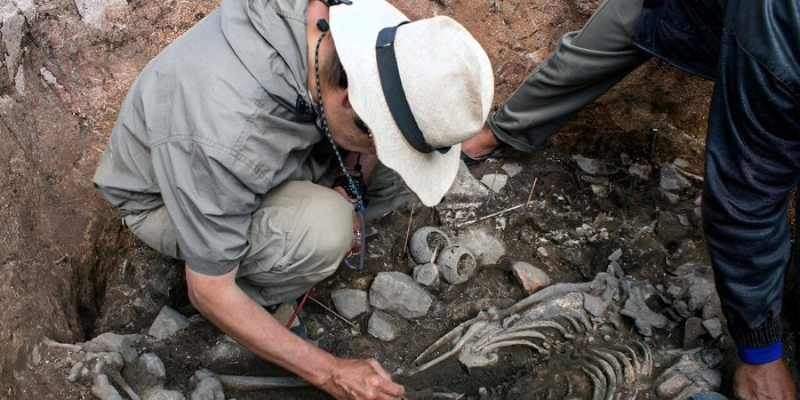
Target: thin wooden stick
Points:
(332, 312)
(493, 214)
(408, 230)
(688, 174)
(530, 195)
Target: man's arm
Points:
(220, 300)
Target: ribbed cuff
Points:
(761, 355)
(765, 335)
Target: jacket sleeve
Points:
(752, 164)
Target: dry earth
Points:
(66, 69)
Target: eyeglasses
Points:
(362, 126)
(350, 261)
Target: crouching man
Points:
(224, 147)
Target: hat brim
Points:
(355, 30)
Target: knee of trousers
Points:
(323, 233)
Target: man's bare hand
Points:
(361, 379)
(762, 382)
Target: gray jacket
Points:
(215, 121)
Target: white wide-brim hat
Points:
(446, 77)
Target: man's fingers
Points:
(379, 369)
(387, 386)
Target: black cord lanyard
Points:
(322, 123)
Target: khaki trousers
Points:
(298, 236)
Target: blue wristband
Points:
(761, 355)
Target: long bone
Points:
(629, 372)
(498, 345)
(491, 341)
(610, 374)
(472, 331)
(527, 327)
(647, 366)
(599, 381)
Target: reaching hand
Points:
(361, 379)
(764, 381)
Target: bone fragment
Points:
(647, 366)
(611, 376)
(52, 343)
(597, 378)
(472, 331)
(251, 383)
(613, 361)
(451, 336)
(628, 370)
(509, 336)
(506, 343)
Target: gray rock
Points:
(399, 293)
(382, 327)
(226, 353)
(426, 274)
(167, 324)
(495, 182)
(671, 180)
(671, 198)
(673, 386)
(712, 357)
(641, 171)
(681, 309)
(350, 302)
(542, 252)
(692, 332)
(112, 342)
(466, 186)
(483, 245)
(512, 169)
(162, 394)
(103, 390)
(680, 163)
(617, 269)
(713, 327)
(209, 388)
(531, 278)
(591, 166)
(600, 181)
(635, 306)
(148, 372)
(669, 229)
(615, 255)
(93, 13)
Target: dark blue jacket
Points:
(751, 49)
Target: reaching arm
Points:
(226, 306)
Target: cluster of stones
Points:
(399, 295)
(112, 364)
